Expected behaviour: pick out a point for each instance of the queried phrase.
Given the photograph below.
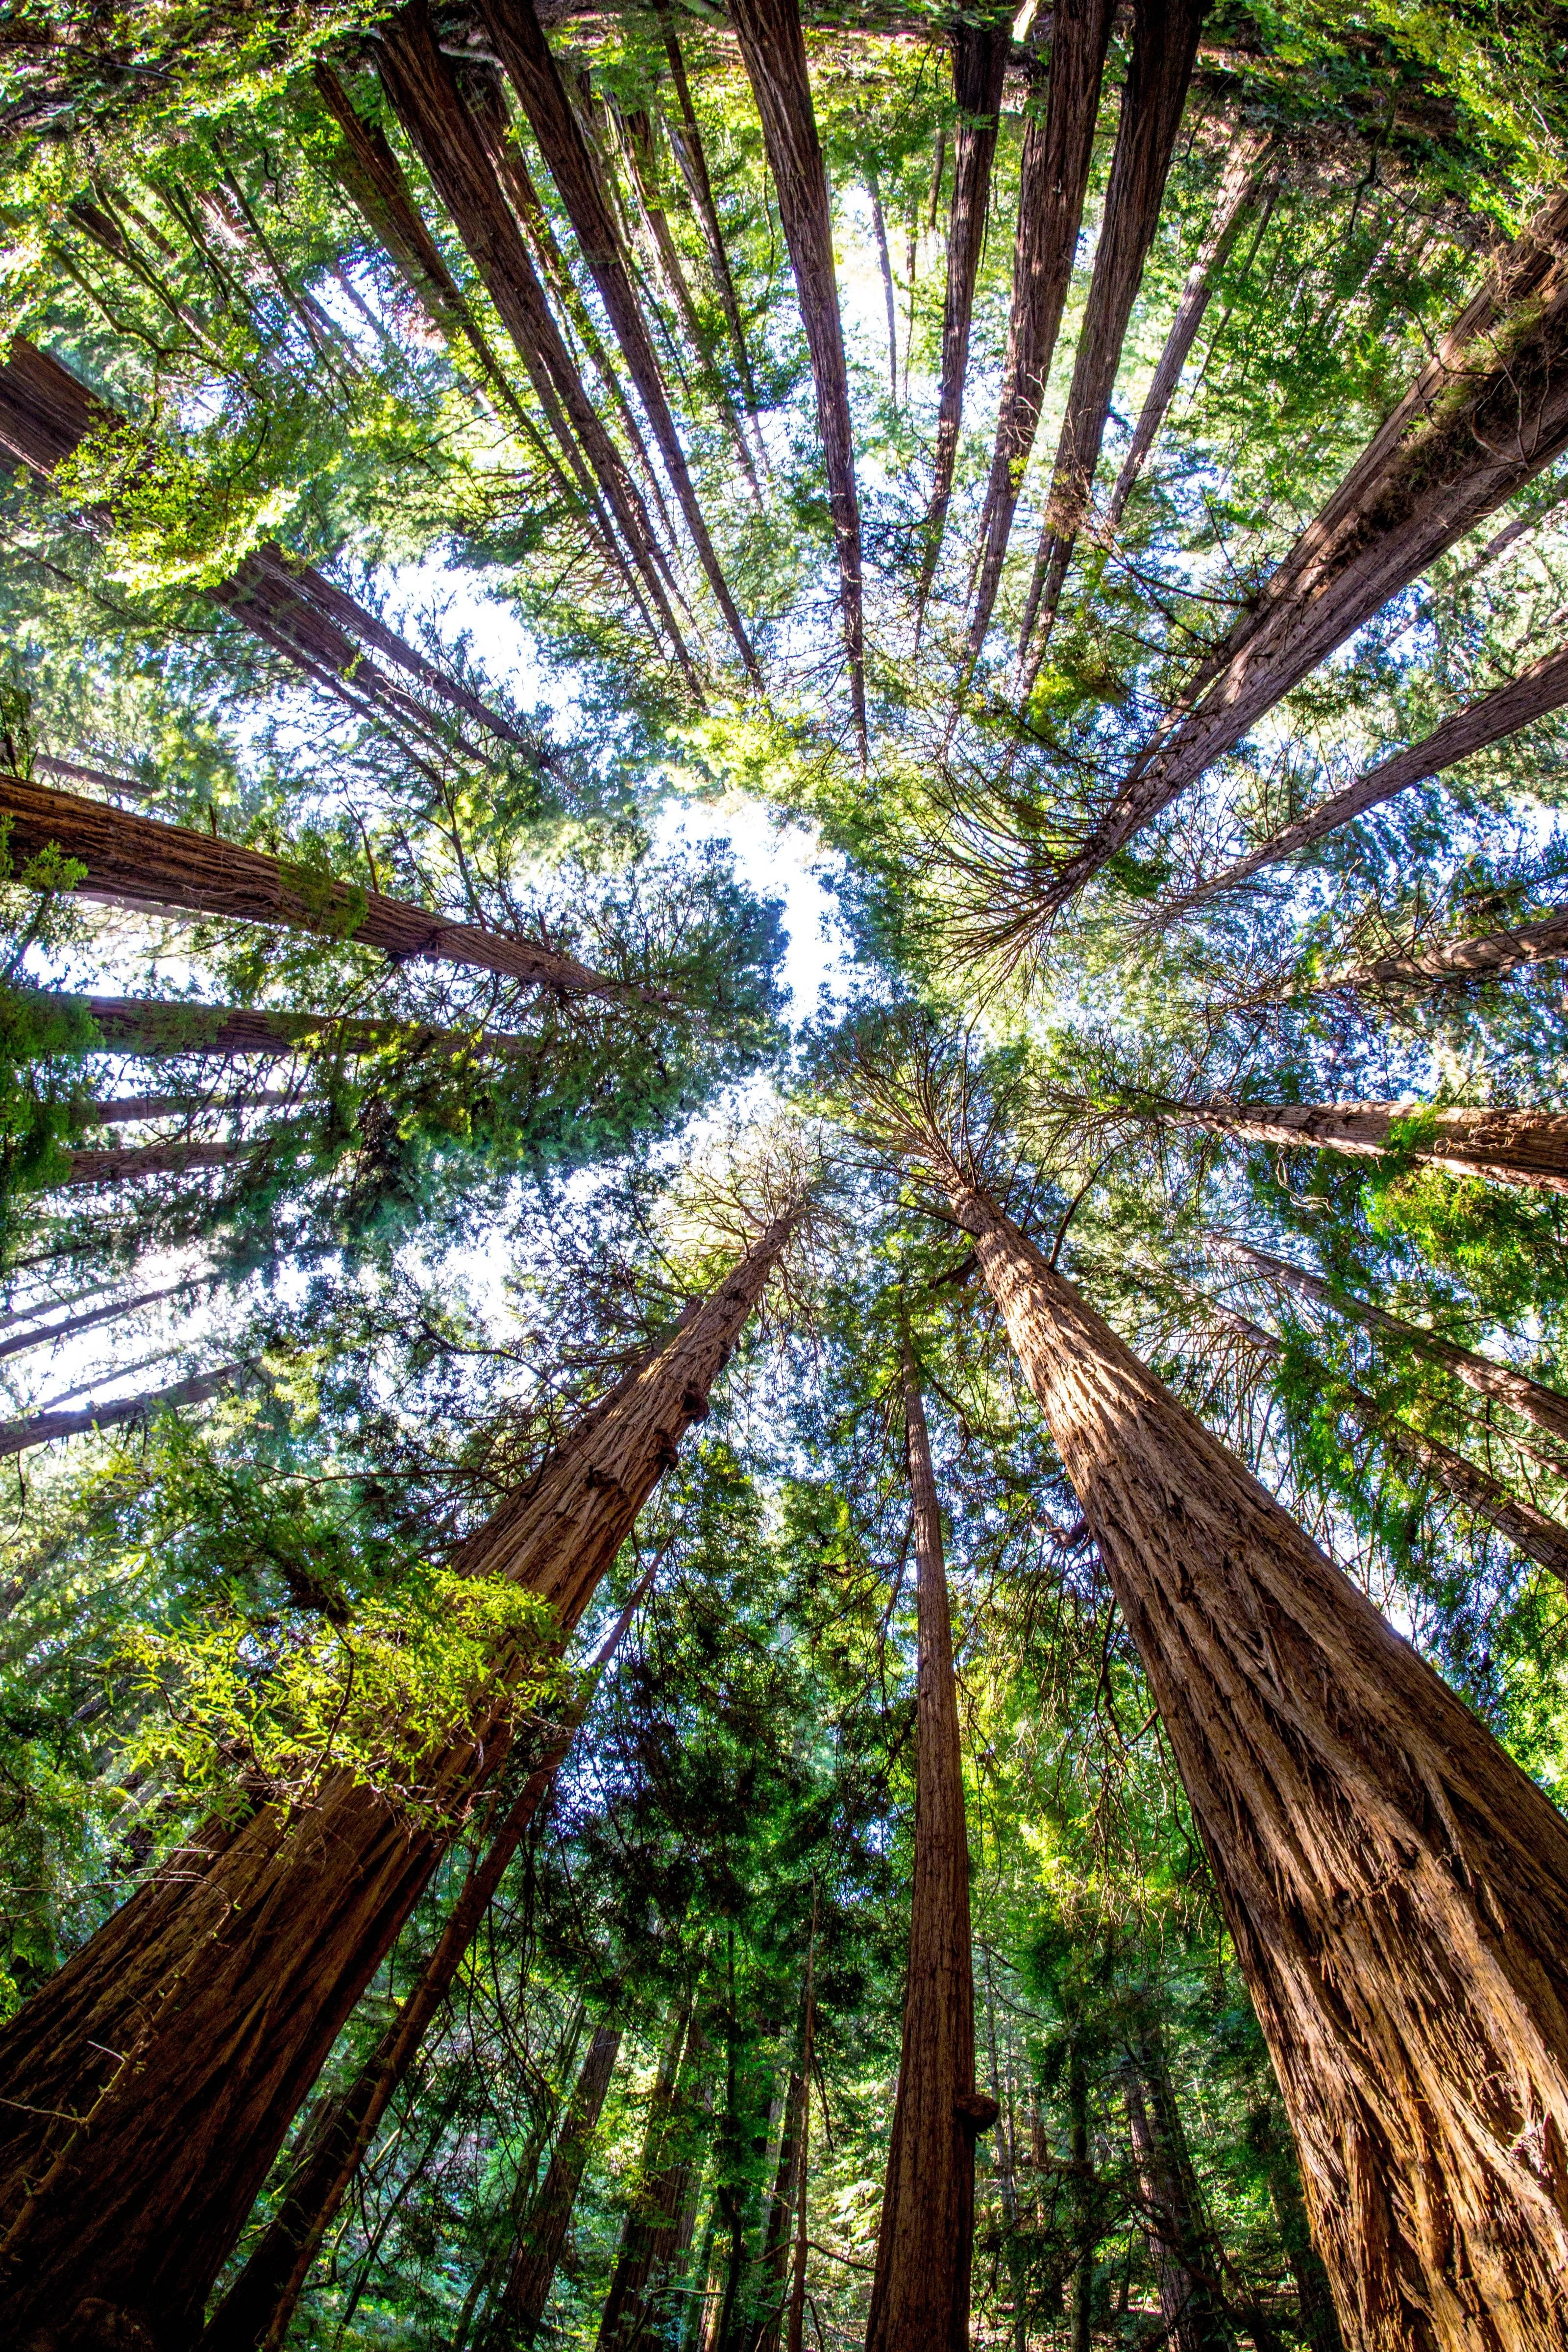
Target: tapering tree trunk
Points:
(807, 2059)
(1173, 2221)
(155, 1027)
(1482, 419)
(1239, 182)
(920, 2290)
(1085, 2226)
(43, 1428)
(154, 2076)
(258, 2308)
(1484, 957)
(138, 859)
(1164, 51)
(773, 47)
(1057, 148)
(124, 1111)
(514, 27)
(543, 2235)
(1314, 2301)
(686, 140)
(132, 1162)
(1510, 1147)
(774, 2294)
(630, 2312)
(75, 1325)
(1398, 1889)
(980, 54)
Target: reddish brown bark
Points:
(74, 1324)
(1511, 1147)
(543, 2235)
(1482, 418)
(1164, 51)
(773, 2292)
(153, 1027)
(1057, 147)
(122, 1109)
(686, 141)
(138, 859)
(1397, 1888)
(772, 45)
(1484, 957)
(630, 2312)
(128, 1162)
(919, 2288)
(153, 2078)
(980, 54)
(43, 1428)
(520, 43)
(1169, 2208)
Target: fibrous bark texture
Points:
(155, 1027)
(153, 2078)
(543, 2234)
(138, 859)
(980, 54)
(1484, 957)
(1169, 2206)
(1482, 418)
(1164, 51)
(919, 2288)
(1397, 1887)
(773, 46)
(630, 2315)
(1057, 148)
(43, 1428)
(1513, 1147)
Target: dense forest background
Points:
(493, 505)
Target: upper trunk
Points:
(543, 2234)
(153, 1027)
(690, 154)
(195, 2022)
(43, 1428)
(129, 1162)
(1511, 1147)
(630, 2314)
(1543, 941)
(1173, 2221)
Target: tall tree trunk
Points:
(1239, 182)
(1397, 1887)
(43, 1428)
(141, 860)
(1057, 148)
(920, 2290)
(796, 2336)
(124, 1111)
(152, 2079)
(773, 2293)
(773, 47)
(258, 2308)
(1086, 2218)
(1314, 2300)
(543, 2235)
(1164, 51)
(153, 1027)
(1484, 958)
(1482, 419)
(630, 2314)
(75, 1325)
(129, 1162)
(519, 39)
(1509, 1147)
(1172, 2223)
(691, 158)
(1542, 688)
(980, 54)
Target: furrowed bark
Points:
(808, 2030)
(1239, 182)
(630, 2314)
(152, 2079)
(1397, 1887)
(1164, 51)
(257, 2309)
(539, 2245)
(772, 45)
(1486, 415)
(1509, 1147)
(138, 860)
(1058, 148)
(153, 1027)
(919, 2288)
(43, 1428)
(686, 141)
(774, 2291)
(1169, 2210)
(135, 1161)
(1484, 957)
(519, 39)
(980, 54)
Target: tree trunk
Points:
(543, 2235)
(1482, 419)
(1239, 183)
(691, 158)
(141, 860)
(258, 2308)
(1164, 51)
(74, 1324)
(129, 1163)
(920, 2291)
(1509, 1147)
(1315, 2302)
(630, 2315)
(152, 2079)
(1172, 2223)
(1085, 2219)
(1057, 148)
(1494, 952)
(1397, 1888)
(807, 2056)
(43, 1428)
(519, 41)
(775, 2267)
(124, 1111)
(153, 1027)
(773, 47)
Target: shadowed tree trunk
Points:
(1085, 2204)
(920, 2290)
(1239, 182)
(43, 1428)
(1057, 147)
(139, 860)
(1509, 1147)
(773, 47)
(1164, 51)
(1482, 419)
(808, 2054)
(980, 54)
(1397, 1887)
(120, 1110)
(519, 39)
(74, 1324)
(257, 2309)
(543, 2234)
(133, 1161)
(1494, 952)
(153, 2078)
(153, 1027)
(686, 141)
(773, 2290)
(1173, 2221)
(1315, 2304)
(630, 2312)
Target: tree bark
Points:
(1493, 954)
(775, 2259)
(1058, 148)
(129, 1162)
(629, 2315)
(1174, 2225)
(920, 2289)
(519, 39)
(1397, 1888)
(807, 2055)
(1509, 1147)
(152, 2079)
(141, 860)
(1314, 2300)
(1482, 419)
(43, 1428)
(153, 1027)
(543, 2235)
(75, 1325)
(772, 45)
(692, 159)
(1086, 2219)
(118, 1110)
(1164, 51)
(980, 54)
